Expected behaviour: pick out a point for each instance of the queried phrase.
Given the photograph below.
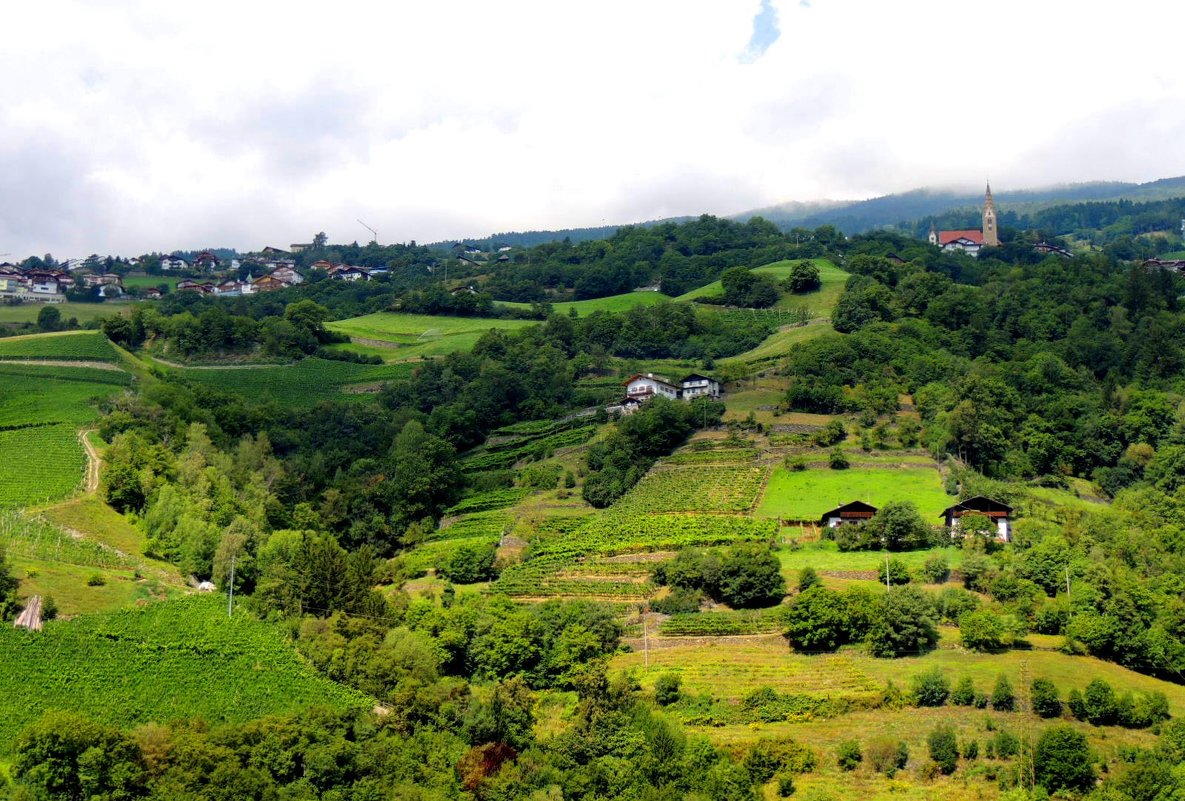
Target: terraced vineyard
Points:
(743, 666)
(39, 395)
(507, 448)
(65, 346)
(611, 533)
(698, 488)
(42, 464)
(725, 623)
(713, 456)
(305, 383)
(180, 660)
(557, 576)
(488, 501)
(490, 525)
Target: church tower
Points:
(991, 237)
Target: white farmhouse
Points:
(644, 387)
(699, 386)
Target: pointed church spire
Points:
(990, 233)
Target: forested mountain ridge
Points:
(894, 210)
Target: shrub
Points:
(96, 581)
(971, 750)
(944, 749)
(469, 564)
(1098, 703)
(1003, 698)
(49, 608)
(936, 570)
(680, 601)
(1146, 710)
(1045, 700)
(804, 277)
(896, 571)
(981, 630)
(902, 623)
(807, 578)
(795, 464)
(887, 755)
(785, 786)
(818, 620)
(931, 688)
(954, 602)
(751, 576)
(976, 570)
(831, 434)
(899, 526)
(848, 755)
(666, 689)
(1004, 744)
(964, 693)
(1061, 760)
(838, 460)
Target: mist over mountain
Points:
(858, 216)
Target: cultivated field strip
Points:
(735, 669)
(706, 488)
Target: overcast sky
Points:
(128, 127)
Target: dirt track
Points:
(65, 363)
(93, 460)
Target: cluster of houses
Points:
(641, 387)
(50, 286)
(858, 512)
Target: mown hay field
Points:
(807, 494)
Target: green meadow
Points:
(807, 494)
(819, 303)
(305, 383)
(613, 303)
(414, 336)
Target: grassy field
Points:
(83, 312)
(778, 344)
(808, 494)
(820, 303)
(66, 346)
(825, 557)
(418, 335)
(152, 280)
(180, 660)
(60, 552)
(613, 303)
(302, 384)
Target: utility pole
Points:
(230, 596)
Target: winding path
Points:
(93, 460)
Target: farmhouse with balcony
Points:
(853, 512)
(999, 513)
(640, 388)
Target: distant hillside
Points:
(890, 210)
(526, 239)
(853, 217)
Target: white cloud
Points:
(130, 126)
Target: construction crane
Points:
(368, 228)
